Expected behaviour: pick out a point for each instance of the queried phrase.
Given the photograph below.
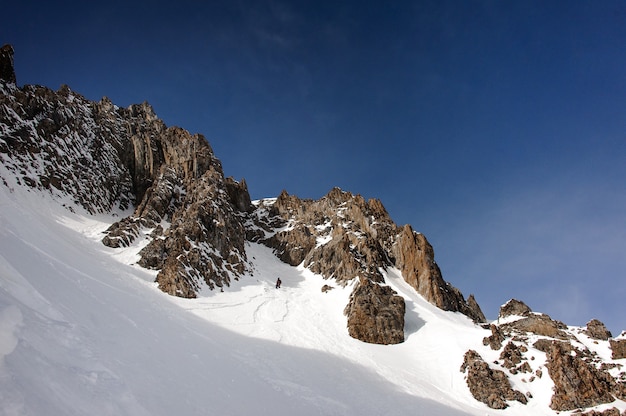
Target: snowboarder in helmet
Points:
(278, 282)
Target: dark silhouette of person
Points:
(278, 282)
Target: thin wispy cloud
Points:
(557, 246)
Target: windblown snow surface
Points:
(85, 331)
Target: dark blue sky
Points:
(495, 128)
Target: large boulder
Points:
(375, 313)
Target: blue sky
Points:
(495, 128)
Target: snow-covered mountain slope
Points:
(85, 331)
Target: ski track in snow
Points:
(85, 331)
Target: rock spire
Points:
(7, 72)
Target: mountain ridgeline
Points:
(172, 189)
(105, 157)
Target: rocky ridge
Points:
(342, 236)
(107, 158)
(195, 220)
(526, 346)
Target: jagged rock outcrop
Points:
(72, 147)
(576, 383)
(487, 385)
(7, 72)
(530, 322)
(415, 257)
(105, 157)
(204, 243)
(495, 339)
(474, 311)
(375, 313)
(597, 330)
(339, 236)
(618, 348)
(514, 307)
(582, 378)
(539, 324)
(342, 236)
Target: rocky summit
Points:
(170, 196)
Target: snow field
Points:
(83, 330)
